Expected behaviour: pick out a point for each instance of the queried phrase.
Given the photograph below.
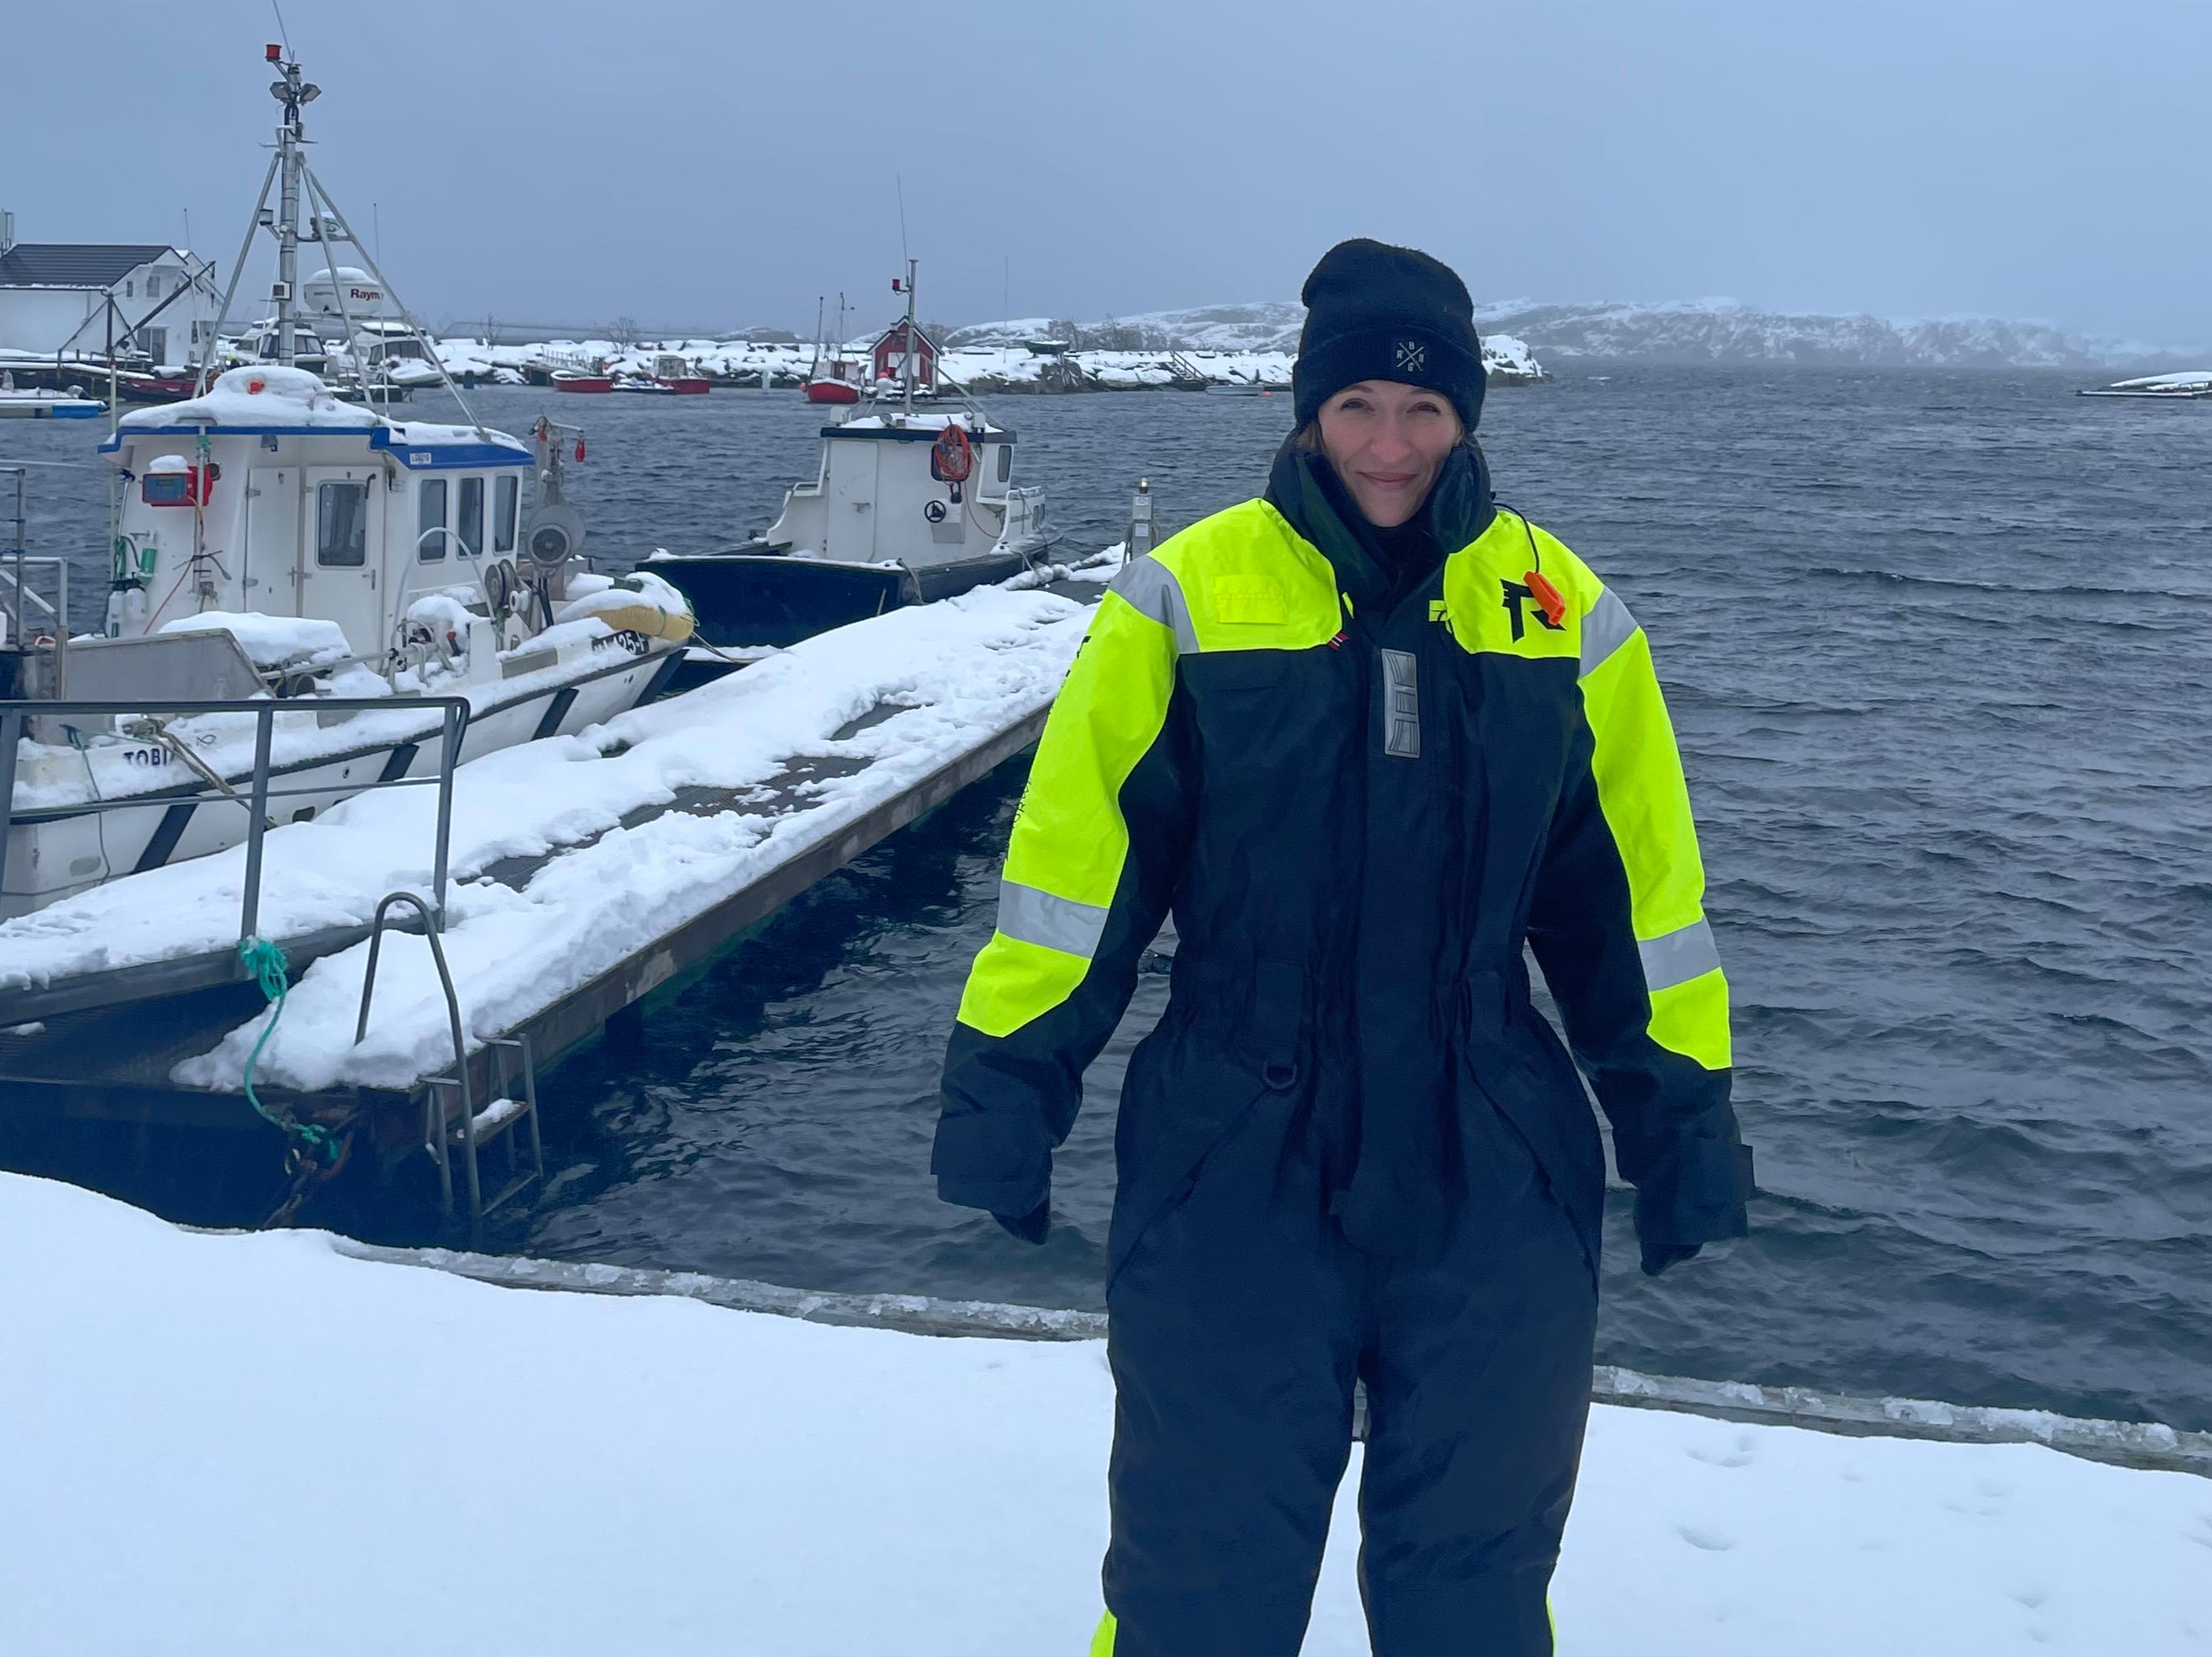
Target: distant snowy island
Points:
(1707, 331)
(1037, 361)
(1255, 346)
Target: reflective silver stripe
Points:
(1678, 956)
(1605, 630)
(1401, 705)
(1151, 588)
(1061, 923)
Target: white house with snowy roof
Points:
(54, 297)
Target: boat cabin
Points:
(887, 491)
(381, 342)
(269, 495)
(264, 344)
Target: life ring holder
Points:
(953, 456)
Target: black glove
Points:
(1692, 1194)
(1658, 1256)
(1032, 1227)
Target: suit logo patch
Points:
(1517, 595)
(1412, 355)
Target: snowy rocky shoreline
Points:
(1257, 343)
(993, 368)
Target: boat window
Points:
(470, 524)
(504, 499)
(430, 515)
(1005, 461)
(342, 526)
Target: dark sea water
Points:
(1939, 648)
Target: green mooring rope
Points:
(265, 962)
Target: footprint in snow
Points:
(2031, 1598)
(1711, 1540)
(1741, 1452)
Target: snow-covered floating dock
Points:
(588, 870)
(244, 1444)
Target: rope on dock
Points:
(264, 963)
(2147, 1445)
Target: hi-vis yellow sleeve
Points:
(1071, 842)
(1646, 803)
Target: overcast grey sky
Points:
(722, 164)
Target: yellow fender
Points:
(649, 619)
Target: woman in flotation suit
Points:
(1366, 737)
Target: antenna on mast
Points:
(912, 339)
(913, 336)
(294, 93)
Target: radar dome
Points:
(363, 296)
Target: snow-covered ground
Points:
(236, 1445)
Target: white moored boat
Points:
(907, 506)
(274, 541)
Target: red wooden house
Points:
(890, 355)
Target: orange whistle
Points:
(1546, 596)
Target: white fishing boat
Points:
(906, 506)
(275, 541)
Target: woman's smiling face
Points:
(1388, 441)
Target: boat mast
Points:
(912, 339)
(292, 92)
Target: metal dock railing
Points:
(183, 974)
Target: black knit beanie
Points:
(1375, 312)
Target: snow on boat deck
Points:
(573, 855)
(241, 1444)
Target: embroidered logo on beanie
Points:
(1412, 355)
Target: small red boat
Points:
(569, 379)
(825, 381)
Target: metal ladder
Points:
(1185, 372)
(451, 1121)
